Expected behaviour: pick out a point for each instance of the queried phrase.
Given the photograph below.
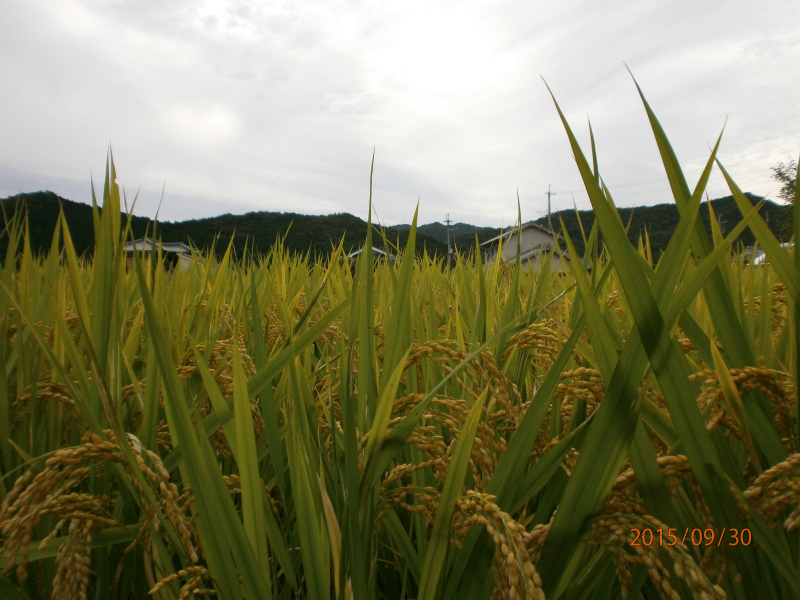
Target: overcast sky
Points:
(277, 105)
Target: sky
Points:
(214, 107)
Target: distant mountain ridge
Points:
(659, 221)
(258, 231)
(317, 235)
(438, 230)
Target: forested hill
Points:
(259, 230)
(460, 233)
(318, 234)
(660, 221)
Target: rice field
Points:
(265, 427)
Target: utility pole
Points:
(720, 221)
(549, 193)
(449, 246)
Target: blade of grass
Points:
(247, 461)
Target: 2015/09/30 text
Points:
(693, 537)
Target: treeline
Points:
(257, 232)
(659, 222)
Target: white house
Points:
(175, 254)
(535, 243)
(760, 257)
(377, 254)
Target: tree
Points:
(786, 175)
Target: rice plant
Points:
(265, 427)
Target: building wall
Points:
(531, 238)
(184, 262)
(171, 260)
(533, 263)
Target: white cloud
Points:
(208, 125)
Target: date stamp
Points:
(691, 537)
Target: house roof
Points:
(146, 245)
(509, 232)
(360, 250)
(375, 252)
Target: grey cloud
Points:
(278, 106)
